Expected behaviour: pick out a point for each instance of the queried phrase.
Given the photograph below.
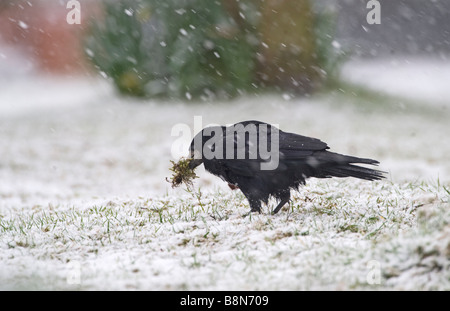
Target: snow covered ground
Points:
(417, 78)
(84, 203)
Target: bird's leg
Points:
(255, 207)
(281, 204)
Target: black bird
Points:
(263, 161)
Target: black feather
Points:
(239, 152)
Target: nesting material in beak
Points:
(183, 171)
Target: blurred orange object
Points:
(40, 29)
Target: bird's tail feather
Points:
(350, 170)
(344, 166)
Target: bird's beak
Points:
(194, 163)
(195, 160)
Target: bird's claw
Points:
(251, 211)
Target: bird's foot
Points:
(252, 211)
(281, 204)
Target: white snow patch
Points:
(417, 78)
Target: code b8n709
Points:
(246, 300)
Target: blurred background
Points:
(88, 97)
(214, 49)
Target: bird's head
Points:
(204, 139)
(195, 151)
(195, 159)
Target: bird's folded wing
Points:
(294, 146)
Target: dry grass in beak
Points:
(182, 173)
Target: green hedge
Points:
(205, 49)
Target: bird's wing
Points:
(254, 143)
(250, 152)
(294, 146)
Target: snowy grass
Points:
(324, 240)
(84, 203)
